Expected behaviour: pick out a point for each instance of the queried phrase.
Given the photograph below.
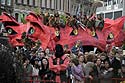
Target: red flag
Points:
(107, 24)
(118, 25)
(119, 39)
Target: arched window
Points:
(2, 1)
(16, 16)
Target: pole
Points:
(123, 8)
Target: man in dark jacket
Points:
(115, 64)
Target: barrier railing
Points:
(38, 80)
(119, 80)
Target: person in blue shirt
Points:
(78, 47)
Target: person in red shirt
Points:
(58, 64)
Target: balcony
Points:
(109, 7)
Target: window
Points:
(2, 1)
(117, 14)
(121, 1)
(30, 2)
(102, 15)
(105, 4)
(77, 1)
(115, 2)
(8, 2)
(74, 7)
(36, 2)
(16, 16)
(109, 15)
(18, 1)
(110, 3)
(25, 2)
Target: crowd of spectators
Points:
(84, 66)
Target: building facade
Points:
(56, 5)
(6, 6)
(23, 7)
(20, 8)
(83, 6)
(112, 9)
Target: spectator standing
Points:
(51, 21)
(82, 60)
(84, 20)
(99, 23)
(107, 73)
(74, 25)
(96, 72)
(59, 64)
(46, 18)
(89, 68)
(27, 70)
(47, 52)
(123, 71)
(44, 72)
(91, 22)
(35, 70)
(57, 21)
(69, 72)
(115, 64)
(66, 49)
(37, 48)
(77, 71)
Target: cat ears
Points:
(35, 19)
(31, 17)
(8, 20)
